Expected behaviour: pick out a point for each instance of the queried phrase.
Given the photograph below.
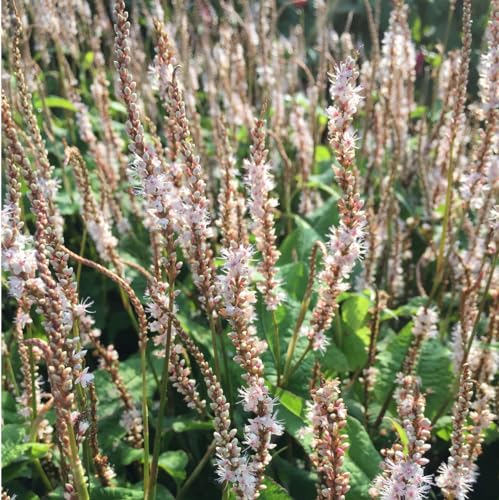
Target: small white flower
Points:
(84, 378)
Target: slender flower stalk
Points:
(457, 476)
(101, 462)
(346, 242)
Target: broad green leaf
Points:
(436, 372)
(325, 216)
(443, 427)
(362, 451)
(118, 107)
(354, 311)
(12, 441)
(298, 243)
(294, 277)
(174, 463)
(354, 345)
(411, 307)
(10, 414)
(359, 482)
(389, 360)
(334, 359)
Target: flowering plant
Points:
(242, 261)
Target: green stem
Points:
(298, 363)
(480, 310)
(303, 309)
(445, 224)
(228, 378)
(32, 376)
(277, 348)
(43, 476)
(77, 469)
(10, 371)
(79, 265)
(163, 399)
(339, 330)
(195, 473)
(145, 413)
(215, 350)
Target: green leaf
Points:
(109, 401)
(411, 307)
(299, 482)
(437, 376)
(100, 493)
(12, 441)
(299, 242)
(273, 491)
(185, 425)
(37, 450)
(322, 153)
(359, 482)
(128, 455)
(174, 463)
(354, 311)
(294, 278)
(354, 346)
(118, 107)
(389, 360)
(54, 101)
(334, 359)
(88, 59)
(10, 414)
(401, 434)
(295, 404)
(443, 427)
(362, 451)
(325, 216)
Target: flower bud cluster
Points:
(403, 468)
(238, 307)
(328, 418)
(261, 206)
